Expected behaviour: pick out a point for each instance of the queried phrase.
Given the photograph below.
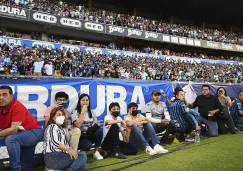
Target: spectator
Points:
(237, 111)
(113, 124)
(57, 74)
(86, 120)
(139, 130)
(19, 128)
(57, 152)
(209, 107)
(73, 134)
(160, 116)
(37, 67)
(48, 68)
(224, 118)
(180, 114)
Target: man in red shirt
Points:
(18, 127)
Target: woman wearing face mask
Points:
(86, 120)
(58, 154)
(224, 118)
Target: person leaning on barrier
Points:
(224, 117)
(19, 128)
(57, 152)
(159, 116)
(73, 133)
(140, 130)
(179, 113)
(236, 111)
(209, 107)
(85, 119)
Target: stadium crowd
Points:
(78, 11)
(44, 62)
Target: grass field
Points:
(223, 153)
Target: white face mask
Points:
(60, 120)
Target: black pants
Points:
(161, 127)
(111, 140)
(128, 148)
(1, 166)
(230, 124)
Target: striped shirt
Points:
(54, 136)
(234, 110)
(177, 109)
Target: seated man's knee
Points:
(9, 139)
(172, 124)
(85, 145)
(76, 131)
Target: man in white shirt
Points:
(38, 67)
(112, 126)
(158, 113)
(48, 69)
(139, 130)
(144, 74)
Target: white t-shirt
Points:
(48, 69)
(38, 66)
(144, 75)
(106, 128)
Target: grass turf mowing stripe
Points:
(153, 157)
(180, 148)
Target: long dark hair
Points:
(52, 115)
(78, 108)
(217, 92)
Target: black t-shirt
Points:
(206, 104)
(58, 65)
(66, 65)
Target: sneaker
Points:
(106, 153)
(159, 149)
(189, 139)
(97, 156)
(117, 154)
(150, 151)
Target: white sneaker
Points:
(159, 149)
(150, 151)
(97, 156)
(189, 139)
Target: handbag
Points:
(90, 132)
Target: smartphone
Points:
(21, 128)
(148, 115)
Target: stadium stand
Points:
(66, 9)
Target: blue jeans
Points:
(62, 161)
(24, 139)
(86, 144)
(137, 137)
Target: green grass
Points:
(223, 153)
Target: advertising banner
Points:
(14, 12)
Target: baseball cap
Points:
(154, 92)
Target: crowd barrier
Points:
(37, 95)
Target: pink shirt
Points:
(49, 109)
